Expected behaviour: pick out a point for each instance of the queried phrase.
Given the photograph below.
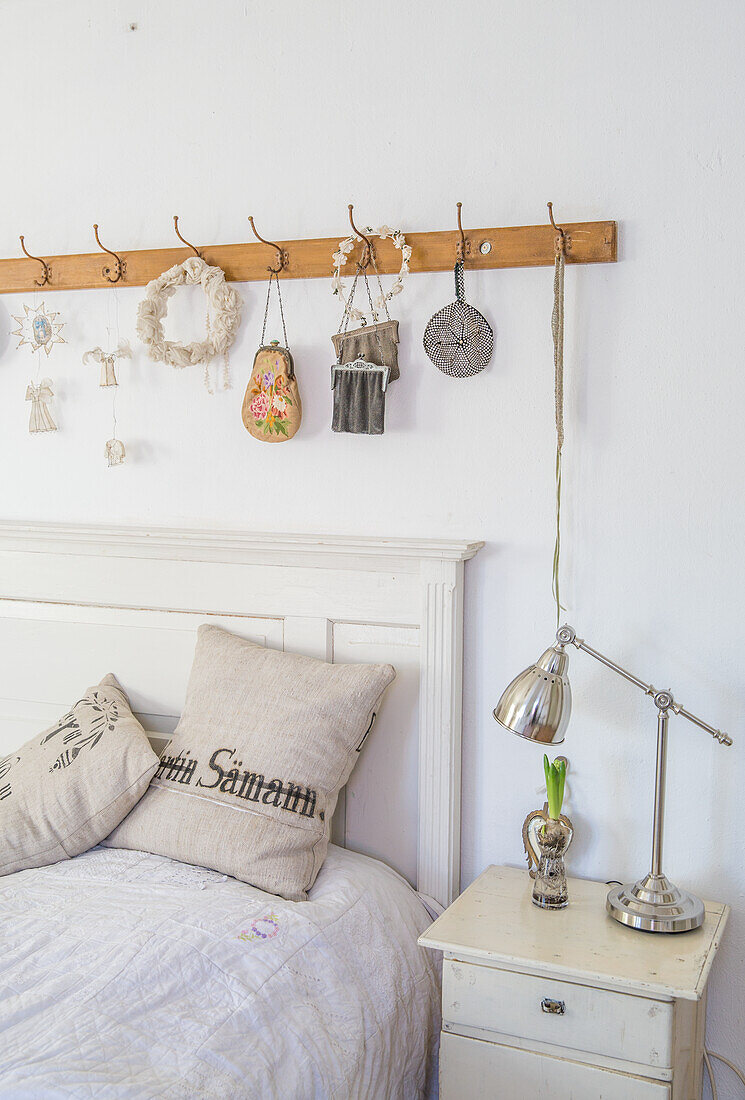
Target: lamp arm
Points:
(664, 700)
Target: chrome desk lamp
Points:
(537, 705)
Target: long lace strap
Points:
(557, 331)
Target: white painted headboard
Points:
(78, 602)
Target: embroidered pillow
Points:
(249, 783)
(66, 789)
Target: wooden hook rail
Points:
(515, 246)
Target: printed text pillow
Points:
(65, 790)
(249, 783)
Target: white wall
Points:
(291, 110)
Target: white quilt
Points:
(126, 975)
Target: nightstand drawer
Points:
(565, 1014)
(474, 1070)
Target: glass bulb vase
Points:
(546, 840)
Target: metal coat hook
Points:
(561, 237)
(187, 243)
(282, 258)
(47, 275)
(463, 247)
(367, 252)
(118, 268)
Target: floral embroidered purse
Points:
(271, 406)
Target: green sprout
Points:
(555, 777)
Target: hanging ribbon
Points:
(557, 331)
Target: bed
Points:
(127, 974)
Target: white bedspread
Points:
(131, 976)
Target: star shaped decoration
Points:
(38, 328)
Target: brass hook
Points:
(463, 246)
(119, 267)
(187, 243)
(367, 252)
(281, 256)
(47, 276)
(561, 238)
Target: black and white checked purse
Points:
(458, 339)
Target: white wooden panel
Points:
(618, 1025)
(268, 589)
(310, 635)
(381, 795)
(474, 1070)
(602, 1061)
(150, 652)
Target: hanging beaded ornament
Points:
(114, 450)
(39, 329)
(458, 339)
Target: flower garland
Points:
(342, 255)
(223, 317)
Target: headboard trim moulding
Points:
(185, 543)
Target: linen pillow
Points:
(249, 783)
(67, 788)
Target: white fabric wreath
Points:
(341, 256)
(223, 316)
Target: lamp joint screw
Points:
(664, 700)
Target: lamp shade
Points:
(538, 702)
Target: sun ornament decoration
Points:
(38, 328)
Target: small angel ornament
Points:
(40, 395)
(107, 361)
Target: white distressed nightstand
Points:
(567, 1004)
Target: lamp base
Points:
(654, 904)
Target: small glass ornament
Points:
(115, 452)
(40, 395)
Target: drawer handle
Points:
(557, 1008)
